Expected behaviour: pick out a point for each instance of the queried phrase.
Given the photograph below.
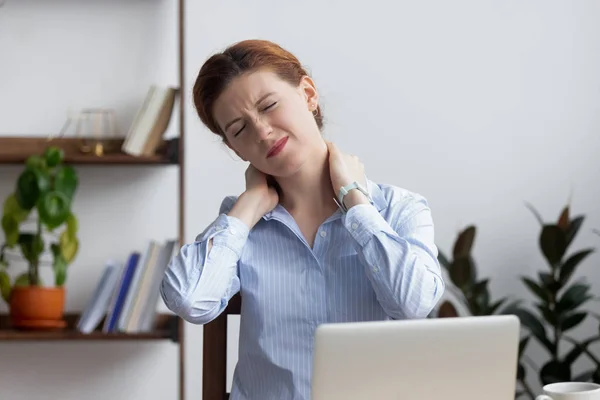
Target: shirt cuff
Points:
(363, 221)
(230, 232)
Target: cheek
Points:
(292, 119)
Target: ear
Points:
(309, 91)
(234, 150)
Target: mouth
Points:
(277, 147)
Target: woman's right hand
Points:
(258, 199)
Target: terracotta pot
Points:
(35, 307)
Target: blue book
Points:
(121, 292)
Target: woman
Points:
(309, 241)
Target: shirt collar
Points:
(374, 190)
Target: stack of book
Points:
(127, 294)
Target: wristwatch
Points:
(344, 190)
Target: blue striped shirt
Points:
(376, 262)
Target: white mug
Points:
(570, 391)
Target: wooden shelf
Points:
(167, 327)
(15, 150)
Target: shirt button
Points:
(323, 233)
(232, 231)
(375, 269)
(354, 225)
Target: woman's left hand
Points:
(343, 170)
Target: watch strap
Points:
(344, 190)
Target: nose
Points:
(262, 128)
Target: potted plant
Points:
(560, 302)
(38, 220)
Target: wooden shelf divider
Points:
(166, 328)
(16, 149)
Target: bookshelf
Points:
(15, 149)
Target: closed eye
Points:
(240, 131)
(269, 106)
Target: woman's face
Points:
(269, 122)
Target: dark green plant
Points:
(559, 301)
(474, 294)
(40, 204)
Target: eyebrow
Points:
(233, 121)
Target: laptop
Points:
(466, 358)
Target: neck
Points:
(309, 190)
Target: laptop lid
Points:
(467, 358)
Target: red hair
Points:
(240, 58)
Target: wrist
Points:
(355, 197)
(246, 209)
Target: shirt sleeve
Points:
(198, 283)
(400, 256)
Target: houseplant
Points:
(37, 220)
(559, 302)
(471, 296)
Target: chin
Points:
(287, 166)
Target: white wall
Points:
(478, 105)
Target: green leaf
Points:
(521, 374)
(36, 162)
(573, 297)
(511, 308)
(554, 371)
(479, 288)
(12, 208)
(574, 228)
(535, 327)
(464, 243)
(68, 246)
(53, 156)
(460, 271)
(596, 376)
(550, 316)
(59, 265)
(495, 306)
(22, 280)
(563, 220)
(53, 209)
(568, 268)
(30, 186)
(553, 243)
(536, 289)
(5, 287)
(523, 344)
(32, 246)
(66, 181)
(585, 376)
(72, 225)
(574, 354)
(481, 304)
(572, 321)
(10, 226)
(548, 282)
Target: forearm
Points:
(202, 277)
(402, 266)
